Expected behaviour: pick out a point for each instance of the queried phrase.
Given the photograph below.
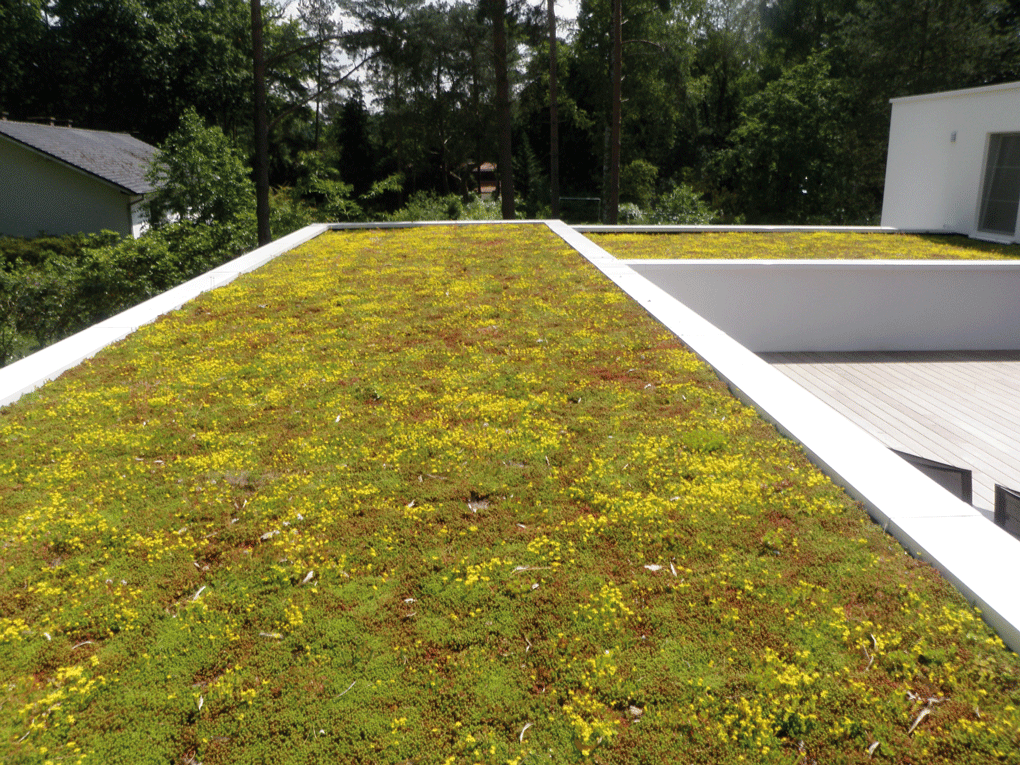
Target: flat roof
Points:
(1003, 86)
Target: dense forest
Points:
(733, 110)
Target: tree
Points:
(504, 116)
(260, 121)
(22, 31)
(436, 79)
(793, 157)
(650, 74)
(907, 47)
(554, 125)
(288, 54)
(199, 175)
(126, 66)
(317, 18)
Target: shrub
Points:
(288, 213)
(630, 213)
(637, 182)
(36, 250)
(426, 205)
(482, 209)
(682, 205)
(200, 176)
(54, 297)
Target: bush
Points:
(200, 177)
(682, 206)
(426, 205)
(52, 287)
(40, 249)
(288, 213)
(637, 182)
(482, 209)
(630, 213)
(51, 299)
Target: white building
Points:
(954, 163)
(62, 180)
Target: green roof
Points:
(447, 495)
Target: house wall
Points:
(849, 305)
(932, 182)
(40, 194)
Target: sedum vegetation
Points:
(445, 495)
(795, 246)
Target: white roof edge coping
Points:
(957, 93)
(29, 373)
(980, 559)
(737, 229)
(807, 264)
(413, 223)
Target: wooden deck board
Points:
(956, 407)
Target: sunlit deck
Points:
(961, 408)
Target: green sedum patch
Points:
(800, 246)
(444, 495)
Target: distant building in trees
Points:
(954, 163)
(63, 180)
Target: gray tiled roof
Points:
(114, 157)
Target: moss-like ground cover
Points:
(445, 495)
(797, 246)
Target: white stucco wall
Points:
(40, 194)
(850, 305)
(933, 183)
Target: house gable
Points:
(64, 180)
(937, 164)
(39, 195)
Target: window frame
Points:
(994, 140)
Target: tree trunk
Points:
(318, 90)
(554, 127)
(506, 172)
(613, 208)
(261, 126)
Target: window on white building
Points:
(1000, 195)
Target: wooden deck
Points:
(961, 408)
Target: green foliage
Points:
(481, 209)
(703, 90)
(637, 182)
(425, 205)
(52, 287)
(200, 177)
(631, 214)
(792, 158)
(288, 212)
(681, 205)
(18, 251)
(340, 202)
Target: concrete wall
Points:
(841, 305)
(40, 194)
(932, 182)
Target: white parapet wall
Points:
(850, 305)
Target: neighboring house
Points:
(487, 180)
(954, 163)
(62, 180)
